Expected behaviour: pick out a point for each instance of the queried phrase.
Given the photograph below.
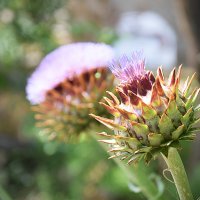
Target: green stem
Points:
(179, 175)
(137, 175)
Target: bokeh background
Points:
(32, 168)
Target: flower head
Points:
(132, 74)
(67, 86)
(149, 122)
(64, 63)
(129, 69)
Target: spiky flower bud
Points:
(67, 86)
(152, 113)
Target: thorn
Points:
(172, 77)
(110, 102)
(186, 91)
(160, 73)
(178, 75)
(110, 109)
(114, 98)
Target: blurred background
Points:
(34, 169)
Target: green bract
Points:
(148, 123)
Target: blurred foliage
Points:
(53, 171)
(88, 30)
(30, 167)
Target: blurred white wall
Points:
(149, 32)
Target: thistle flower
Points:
(152, 113)
(67, 86)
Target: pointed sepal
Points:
(155, 139)
(191, 100)
(178, 132)
(110, 109)
(166, 126)
(141, 131)
(173, 112)
(109, 123)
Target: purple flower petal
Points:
(128, 69)
(65, 62)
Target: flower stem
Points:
(137, 175)
(178, 173)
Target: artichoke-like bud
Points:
(67, 86)
(152, 114)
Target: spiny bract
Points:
(67, 86)
(152, 113)
(64, 113)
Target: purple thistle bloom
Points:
(66, 62)
(129, 69)
(132, 74)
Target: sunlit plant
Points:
(151, 117)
